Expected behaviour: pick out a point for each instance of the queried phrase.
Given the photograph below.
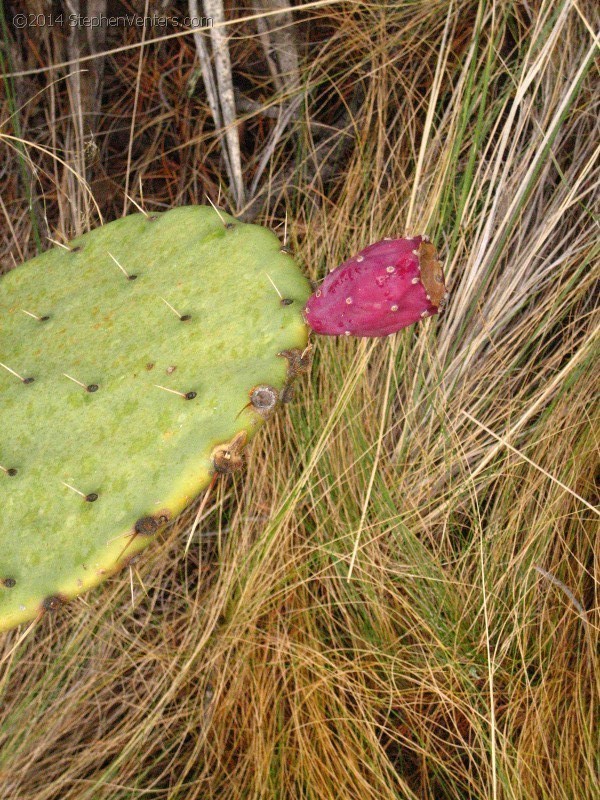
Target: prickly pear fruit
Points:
(389, 285)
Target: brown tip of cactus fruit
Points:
(432, 274)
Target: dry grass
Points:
(455, 461)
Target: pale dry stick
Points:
(208, 79)
(278, 44)
(215, 10)
(220, 91)
(269, 109)
(384, 415)
(533, 464)
(281, 55)
(263, 35)
(135, 105)
(77, 103)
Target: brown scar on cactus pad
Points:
(145, 527)
(146, 452)
(148, 526)
(53, 602)
(228, 458)
(299, 361)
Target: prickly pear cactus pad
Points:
(136, 363)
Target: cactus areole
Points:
(136, 363)
(389, 285)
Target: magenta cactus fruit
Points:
(389, 285)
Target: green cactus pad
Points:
(201, 318)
